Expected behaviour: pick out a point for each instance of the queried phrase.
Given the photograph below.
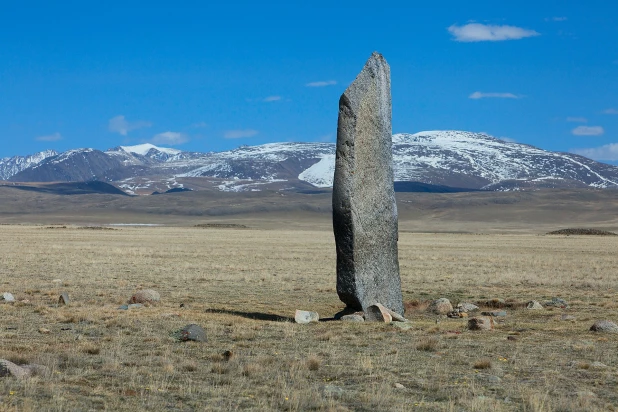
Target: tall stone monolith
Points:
(364, 208)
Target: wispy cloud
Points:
(481, 95)
(170, 138)
(238, 134)
(605, 152)
(49, 138)
(588, 131)
(559, 18)
(577, 119)
(272, 99)
(610, 111)
(508, 139)
(322, 83)
(121, 125)
(475, 32)
(325, 139)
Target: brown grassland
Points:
(243, 287)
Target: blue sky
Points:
(201, 76)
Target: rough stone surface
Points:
(377, 313)
(604, 326)
(465, 307)
(8, 368)
(352, 318)
(192, 332)
(145, 296)
(8, 297)
(364, 208)
(481, 323)
(557, 302)
(440, 306)
(495, 313)
(63, 299)
(534, 305)
(305, 316)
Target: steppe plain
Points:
(243, 284)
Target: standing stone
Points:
(364, 208)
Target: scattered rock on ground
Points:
(7, 297)
(397, 385)
(305, 316)
(568, 317)
(8, 368)
(63, 299)
(145, 296)
(534, 305)
(191, 332)
(402, 325)
(481, 323)
(598, 365)
(44, 331)
(465, 307)
(378, 313)
(604, 326)
(131, 306)
(440, 306)
(557, 302)
(495, 313)
(352, 318)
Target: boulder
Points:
(604, 326)
(481, 323)
(378, 313)
(305, 316)
(63, 299)
(145, 296)
(363, 200)
(440, 306)
(192, 332)
(534, 305)
(352, 318)
(466, 307)
(8, 368)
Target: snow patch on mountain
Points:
(320, 174)
(10, 166)
(143, 149)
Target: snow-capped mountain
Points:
(447, 158)
(10, 166)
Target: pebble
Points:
(192, 332)
(495, 313)
(534, 305)
(352, 318)
(63, 299)
(441, 306)
(304, 316)
(402, 325)
(8, 297)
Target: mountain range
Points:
(452, 159)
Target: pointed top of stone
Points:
(375, 72)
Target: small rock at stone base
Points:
(465, 307)
(604, 326)
(352, 318)
(440, 306)
(481, 323)
(568, 317)
(63, 299)
(7, 297)
(305, 316)
(534, 305)
(44, 331)
(332, 391)
(397, 385)
(495, 313)
(378, 313)
(402, 325)
(145, 296)
(192, 332)
(8, 368)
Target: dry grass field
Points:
(243, 285)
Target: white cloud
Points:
(508, 139)
(606, 152)
(321, 83)
(272, 98)
(120, 125)
(561, 18)
(487, 32)
(577, 119)
(170, 138)
(237, 134)
(610, 111)
(588, 131)
(481, 95)
(50, 137)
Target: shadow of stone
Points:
(253, 315)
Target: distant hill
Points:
(447, 159)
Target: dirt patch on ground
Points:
(221, 226)
(580, 231)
